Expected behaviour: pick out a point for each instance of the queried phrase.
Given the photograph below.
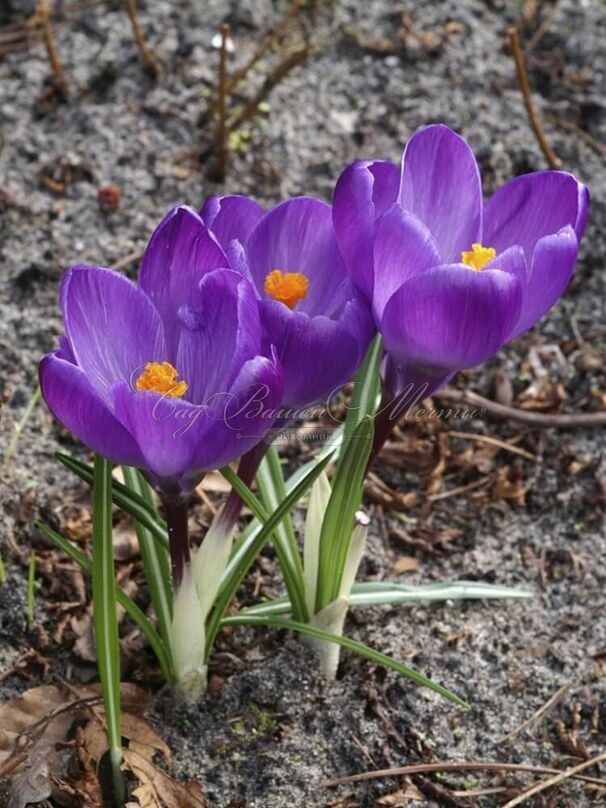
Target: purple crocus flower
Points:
(168, 374)
(451, 279)
(310, 309)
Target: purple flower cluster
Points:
(240, 311)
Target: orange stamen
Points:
(478, 256)
(288, 287)
(161, 377)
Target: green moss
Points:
(257, 723)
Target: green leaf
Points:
(291, 571)
(339, 517)
(134, 505)
(316, 508)
(244, 492)
(249, 535)
(272, 489)
(351, 645)
(31, 580)
(365, 392)
(131, 608)
(235, 572)
(154, 557)
(376, 593)
(381, 593)
(105, 618)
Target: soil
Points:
(271, 731)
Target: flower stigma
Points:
(478, 256)
(161, 377)
(288, 287)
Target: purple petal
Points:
(553, 263)
(513, 261)
(318, 354)
(441, 186)
(407, 385)
(162, 426)
(403, 248)
(220, 332)
(180, 252)
(532, 206)
(181, 440)
(364, 191)
(230, 217)
(451, 317)
(71, 399)
(112, 327)
(298, 236)
(237, 420)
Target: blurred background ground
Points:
(270, 732)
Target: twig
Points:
(217, 170)
(13, 38)
(542, 28)
(508, 447)
(533, 116)
(129, 259)
(243, 71)
(480, 792)
(552, 781)
(538, 419)
(461, 489)
(598, 147)
(43, 16)
(272, 79)
(549, 705)
(422, 768)
(148, 57)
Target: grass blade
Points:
(351, 645)
(244, 492)
(154, 557)
(105, 618)
(235, 573)
(290, 570)
(366, 384)
(338, 522)
(376, 593)
(130, 607)
(134, 505)
(273, 491)
(31, 581)
(381, 593)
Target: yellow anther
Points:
(288, 287)
(161, 377)
(478, 256)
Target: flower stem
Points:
(176, 518)
(247, 469)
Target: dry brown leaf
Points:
(143, 738)
(126, 544)
(34, 784)
(145, 797)
(401, 798)
(509, 486)
(82, 625)
(214, 483)
(406, 564)
(166, 791)
(23, 712)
